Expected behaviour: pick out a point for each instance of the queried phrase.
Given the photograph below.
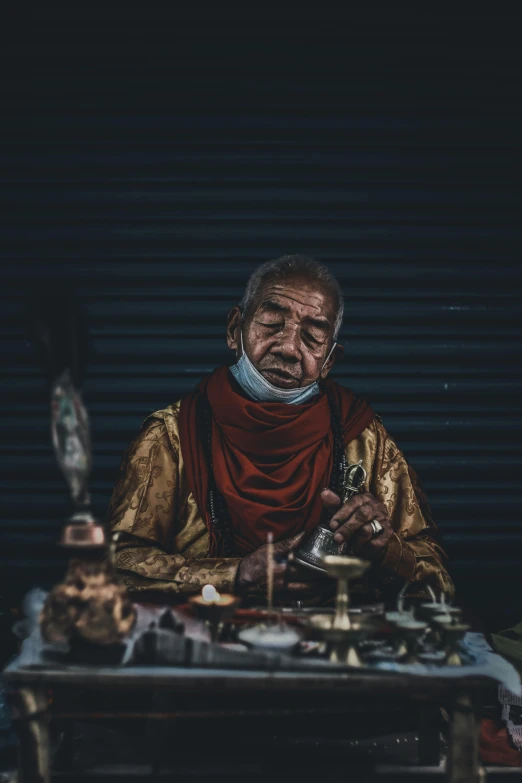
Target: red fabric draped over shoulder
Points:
(270, 459)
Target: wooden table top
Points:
(183, 679)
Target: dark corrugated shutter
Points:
(155, 177)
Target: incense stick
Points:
(270, 573)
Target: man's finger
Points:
(367, 544)
(348, 508)
(357, 520)
(331, 501)
(361, 514)
(287, 544)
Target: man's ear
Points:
(337, 355)
(233, 326)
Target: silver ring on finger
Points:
(376, 527)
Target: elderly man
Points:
(257, 448)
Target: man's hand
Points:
(290, 581)
(352, 523)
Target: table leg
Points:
(462, 765)
(429, 735)
(32, 725)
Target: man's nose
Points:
(289, 345)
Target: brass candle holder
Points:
(410, 631)
(344, 635)
(344, 569)
(453, 632)
(394, 618)
(214, 609)
(428, 609)
(428, 612)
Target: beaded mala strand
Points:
(220, 521)
(340, 463)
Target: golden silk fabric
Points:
(165, 542)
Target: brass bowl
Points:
(214, 612)
(340, 567)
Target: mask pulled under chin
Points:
(258, 388)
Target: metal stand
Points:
(32, 725)
(462, 763)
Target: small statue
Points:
(88, 605)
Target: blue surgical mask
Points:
(258, 388)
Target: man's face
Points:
(288, 332)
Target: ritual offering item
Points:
(321, 544)
(342, 634)
(89, 609)
(344, 569)
(397, 617)
(410, 632)
(453, 631)
(72, 447)
(428, 609)
(214, 608)
(399, 645)
(274, 637)
(89, 606)
(270, 636)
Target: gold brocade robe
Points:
(164, 542)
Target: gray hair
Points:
(293, 266)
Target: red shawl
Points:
(270, 459)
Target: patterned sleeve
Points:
(146, 508)
(414, 553)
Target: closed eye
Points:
(313, 339)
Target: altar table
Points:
(68, 693)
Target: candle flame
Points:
(210, 594)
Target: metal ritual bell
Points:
(320, 543)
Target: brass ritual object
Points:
(90, 609)
(395, 618)
(407, 630)
(214, 612)
(410, 632)
(430, 610)
(452, 631)
(82, 532)
(343, 634)
(320, 543)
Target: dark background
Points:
(151, 162)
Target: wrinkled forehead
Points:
(298, 296)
